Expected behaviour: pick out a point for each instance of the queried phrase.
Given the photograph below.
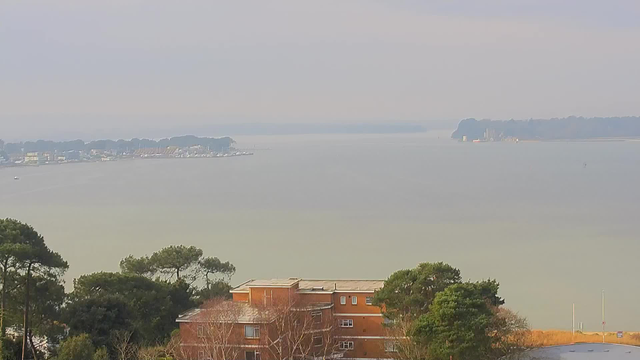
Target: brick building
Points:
(289, 318)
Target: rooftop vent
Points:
(317, 288)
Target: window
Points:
(251, 331)
(317, 340)
(368, 300)
(354, 300)
(200, 355)
(252, 355)
(343, 300)
(316, 316)
(346, 322)
(200, 331)
(346, 345)
(390, 346)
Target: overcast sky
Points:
(68, 67)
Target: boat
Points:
(16, 178)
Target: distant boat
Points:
(585, 165)
(16, 178)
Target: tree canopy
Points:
(131, 302)
(29, 269)
(456, 324)
(411, 291)
(439, 316)
(76, 348)
(179, 262)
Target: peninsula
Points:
(570, 128)
(43, 152)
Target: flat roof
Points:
(341, 285)
(227, 311)
(313, 285)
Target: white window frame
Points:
(255, 328)
(354, 300)
(256, 354)
(346, 323)
(368, 300)
(200, 331)
(318, 337)
(346, 345)
(316, 317)
(343, 300)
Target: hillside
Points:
(552, 129)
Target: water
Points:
(362, 206)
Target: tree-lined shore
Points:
(569, 128)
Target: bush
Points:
(101, 354)
(76, 348)
(10, 349)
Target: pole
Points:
(573, 321)
(603, 318)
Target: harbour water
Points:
(531, 215)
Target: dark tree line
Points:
(214, 144)
(552, 129)
(112, 313)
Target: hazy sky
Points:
(69, 67)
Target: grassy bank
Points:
(539, 338)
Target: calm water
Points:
(530, 214)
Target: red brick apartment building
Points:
(289, 318)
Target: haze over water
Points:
(531, 215)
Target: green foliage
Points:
(216, 290)
(442, 317)
(457, 324)
(103, 306)
(31, 249)
(410, 292)
(176, 260)
(213, 265)
(101, 354)
(149, 307)
(137, 266)
(76, 348)
(31, 276)
(489, 290)
(180, 262)
(47, 299)
(98, 316)
(11, 348)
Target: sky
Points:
(125, 67)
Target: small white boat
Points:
(16, 178)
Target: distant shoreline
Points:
(566, 129)
(591, 140)
(13, 165)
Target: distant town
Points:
(48, 152)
